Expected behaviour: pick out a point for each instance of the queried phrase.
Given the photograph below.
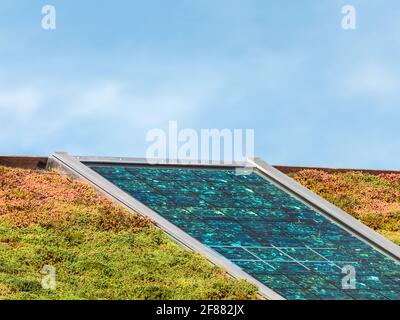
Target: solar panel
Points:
(274, 236)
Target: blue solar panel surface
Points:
(270, 234)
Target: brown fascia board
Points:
(23, 162)
(40, 163)
(294, 169)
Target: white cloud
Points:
(20, 100)
(371, 79)
(98, 99)
(107, 112)
(173, 97)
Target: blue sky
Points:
(314, 93)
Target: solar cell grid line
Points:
(257, 258)
(295, 260)
(347, 222)
(326, 259)
(215, 201)
(224, 211)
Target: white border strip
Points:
(127, 160)
(74, 167)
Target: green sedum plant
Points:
(373, 199)
(98, 249)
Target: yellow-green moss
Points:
(375, 200)
(98, 249)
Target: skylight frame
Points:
(78, 166)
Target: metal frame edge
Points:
(328, 208)
(74, 167)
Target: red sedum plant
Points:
(373, 199)
(98, 249)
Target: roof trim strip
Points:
(329, 209)
(74, 166)
(127, 160)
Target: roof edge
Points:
(329, 209)
(74, 167)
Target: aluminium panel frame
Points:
(350, 223)
(75, 166)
